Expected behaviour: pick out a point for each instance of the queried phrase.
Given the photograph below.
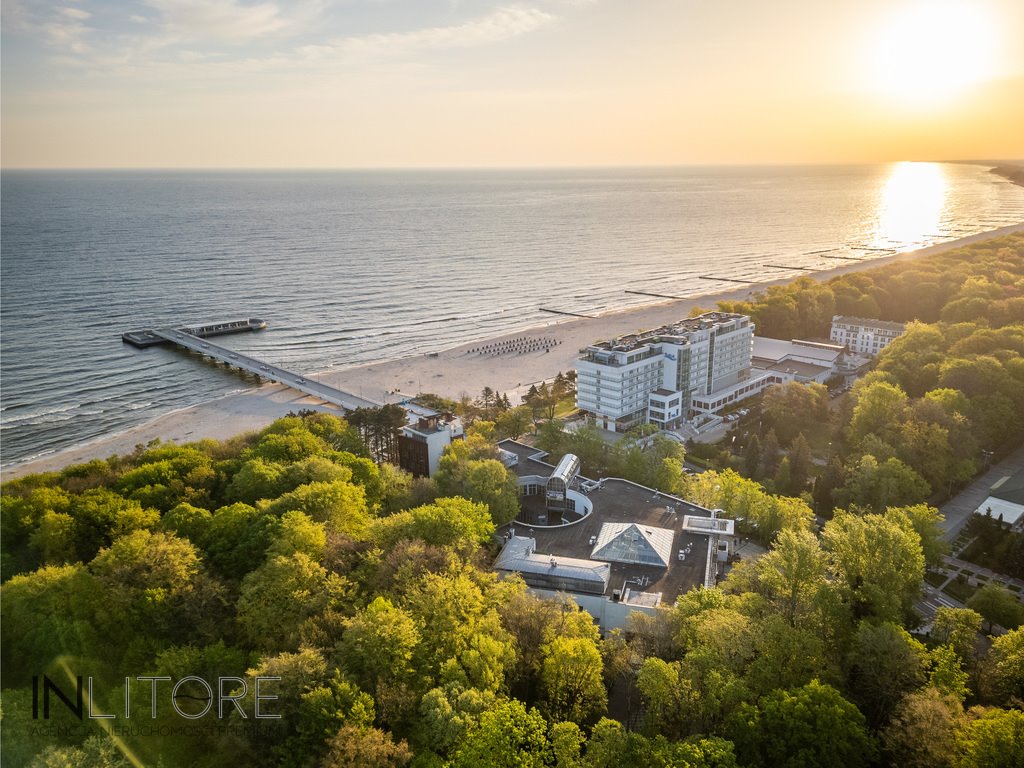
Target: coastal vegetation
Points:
(290, 554)
(941, 402)
(300, 553)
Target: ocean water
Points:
(354, 267)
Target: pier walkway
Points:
(264, 370)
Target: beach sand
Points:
(450, 373)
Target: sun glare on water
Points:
(911, 204)
(932, 51)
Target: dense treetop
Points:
(298, 552)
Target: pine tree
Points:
(770, 454)
(752, 458)
(799, 463)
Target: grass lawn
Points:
(961, 590)
(565, 407)
(935, 578)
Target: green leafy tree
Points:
(793, 572)
(282, 593)
(884, 664)
(530, 621)
(47, 615)
(506, 735)
(572, 679)
(458, 523)
(927, 523)
(447, 713)
(993, 739)
(365, 747)
(878, 564)
(313, 703)
(997, 605)
(1004, 668)
(812, 725)
(514, 422)
(154, 589)
(340, 505)
(922, 731)
(188, 522)
(668, 695)
(947, 675)
(257, 479)
(468, 468)
(874, 485)
(799, 464)
(101, 516)
(752, 457)
(880, 409)
(793, 408)
(237, 538)
(958, 627)
(489, 482)
(462, 640)
(95, 752)
(286, 441)
(785, 656)
(299, 533)
(378, 649)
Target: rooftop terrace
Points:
(678, 329)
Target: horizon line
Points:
(597, 166)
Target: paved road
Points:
(960, 507)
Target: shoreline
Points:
(451, 372)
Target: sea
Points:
(351, 267)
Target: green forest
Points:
(292, 554)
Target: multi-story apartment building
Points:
(659, 376)
(864, 336)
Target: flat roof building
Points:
(656, 546)
(560, 573)
(659, 376)
(1005, 500)
(422, 441)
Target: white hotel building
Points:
(701, 364)
(863, 335)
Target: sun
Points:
(932, 51)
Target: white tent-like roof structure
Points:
(635, 544)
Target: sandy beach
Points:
(451, 373)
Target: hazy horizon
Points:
(437, 84)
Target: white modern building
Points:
(660, 376)
(864, 336)
(797, 360)
(1005, 501)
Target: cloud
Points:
(223, 20)
(67, 30)
(74, 13)
(501, 24)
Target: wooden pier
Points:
(185, 338)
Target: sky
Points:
(471, 83)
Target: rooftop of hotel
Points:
(623, 502)
(775, 350)
(680, 328)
